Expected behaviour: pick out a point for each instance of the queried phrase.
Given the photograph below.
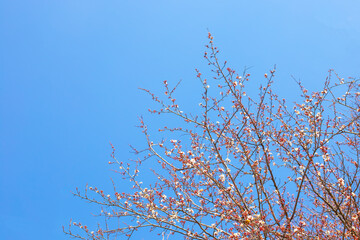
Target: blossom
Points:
(222, 177)
(341, 182)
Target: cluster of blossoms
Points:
(246, 167)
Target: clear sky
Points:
(70, 72)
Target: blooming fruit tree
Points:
(245, 167)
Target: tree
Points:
(246, 167)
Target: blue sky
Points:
(70, 72)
